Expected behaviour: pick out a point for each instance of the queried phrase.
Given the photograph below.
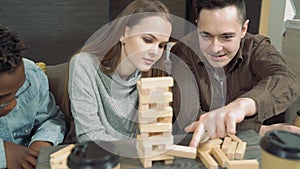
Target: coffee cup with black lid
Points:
(280, 150)
(297, 120)
(93, 155)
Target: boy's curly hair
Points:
(10, 50)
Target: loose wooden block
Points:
(207, 160)
(240, 150)
(155, 82)
(219, 156)
(182, 151)
(225, 145)
(210, 144)
(242, 164)
(231, 150)
(234, 138)
(62, 151)
(59, 166)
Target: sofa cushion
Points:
(57, 76)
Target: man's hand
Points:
(18, 156)
(36, 145)
(279, 126)
(221, 122)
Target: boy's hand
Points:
(36, 145)
(18, 156)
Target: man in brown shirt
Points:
(226, 78)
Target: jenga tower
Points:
(155, 120)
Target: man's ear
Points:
(245, 28)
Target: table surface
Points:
(253, 151)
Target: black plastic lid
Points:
(282, 144)
(92, 156)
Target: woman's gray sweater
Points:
(104, 106)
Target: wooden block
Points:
(242, 164)
(62, 151)
(143, 107)
(148, 99)
(240, 150)
(151, 113)
(160, 139)
(60, 159)
(226, 143)
(155, 82)
(147, 162)
(164, 120)
(219, 156)
(182, 151)
(59, 166)
(167, 162)
(207, 160)
(234, 138)
(231, 150)
(210, 144)
(159, 127)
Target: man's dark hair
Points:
(219, 4)
(10, 50)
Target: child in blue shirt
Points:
(29, 117)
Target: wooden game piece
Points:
(62, 151)
(159, 127)
(242, 164)
(146, 99)
(151, 114)
(234, 138)
(156, 82)
(61, 156)
(226, 143)
(182, 151)
(219, 156)
(231, 150)
(147, 162)
(240, 150)
(207, 160)
(210, 144)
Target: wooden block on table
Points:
(155, 82)
(219, 156)
(59, 166)
(225, 145)
(240, 150)
(234, 138)
(210, 144)
(147, 162)
(182, 151)
(231, 150)
(207, 160)
(60, 156)
(62, 151)
(242, 164)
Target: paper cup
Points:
(280, 150)
(297, 120)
